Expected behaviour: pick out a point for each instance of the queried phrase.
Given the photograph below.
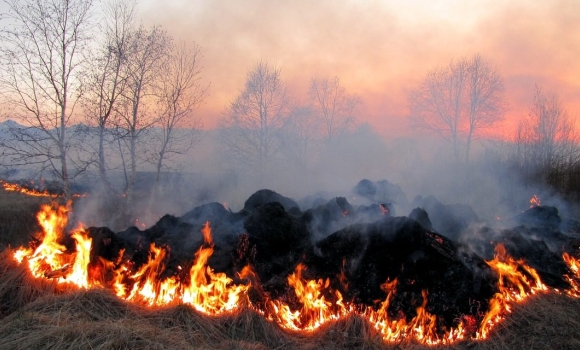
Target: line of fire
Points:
(302, 269)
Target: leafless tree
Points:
(436, 105)
(250, 131)
(181, 93)
(44, 42)
(107, 77)
(457, 101)
(300, 135)
(147, 56)
(486, 102)
(546, 142)
(334, 105)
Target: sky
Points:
(380, 50)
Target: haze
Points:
(379, 49)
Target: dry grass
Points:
(41, 315)
(38, 314)
(18, 217)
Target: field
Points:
(36, 314)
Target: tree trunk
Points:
(468, 145)
(102, 165)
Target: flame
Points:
(315, 310)
(50, 259)
(314, 302)
(422, 327)
(208, 292)
(535, 201)
(13, 187)
(517, 281)
(574, 266)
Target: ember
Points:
(405, 279)
(535, 201)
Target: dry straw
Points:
(38, 314)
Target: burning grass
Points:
(44, 316)
(53, 314)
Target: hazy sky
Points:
(379, 49)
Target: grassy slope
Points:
(36, 314)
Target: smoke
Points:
(418, 173)
(380, 50)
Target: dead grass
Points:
(38, 314)
(18, 217)
(41, 315)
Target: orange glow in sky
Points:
(380, 50)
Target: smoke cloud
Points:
(380, 50)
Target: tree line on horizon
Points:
(62, 59)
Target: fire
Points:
(574, 266)
(314, 301)
(535, 201)
(13, 187)
(315, 311)
(422, 327)
(517, 281)
(50, 258)
(207, 291)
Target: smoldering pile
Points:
(437, 248)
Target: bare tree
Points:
(181, 94)
(107, 76)
(43, 50)
(486, 102)
(546, 142)
(250, 131)
(300, 134)
(456, 100)
(333, 104)
(436, 105)
(147, 55)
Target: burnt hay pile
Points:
(357, 247)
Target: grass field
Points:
(38, 314)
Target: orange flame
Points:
(315, 310)
(422, 327)
(49, 259)
(208, 292)
(535, 201)
(574, 266)
(215, 293)
(517, 281)
(12, 187)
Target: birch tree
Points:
(181, 93)
(458, 101)
(546, 141)
(250, 131)
(333, 105)
(107, 77)
(43, 50)
(148, 53)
